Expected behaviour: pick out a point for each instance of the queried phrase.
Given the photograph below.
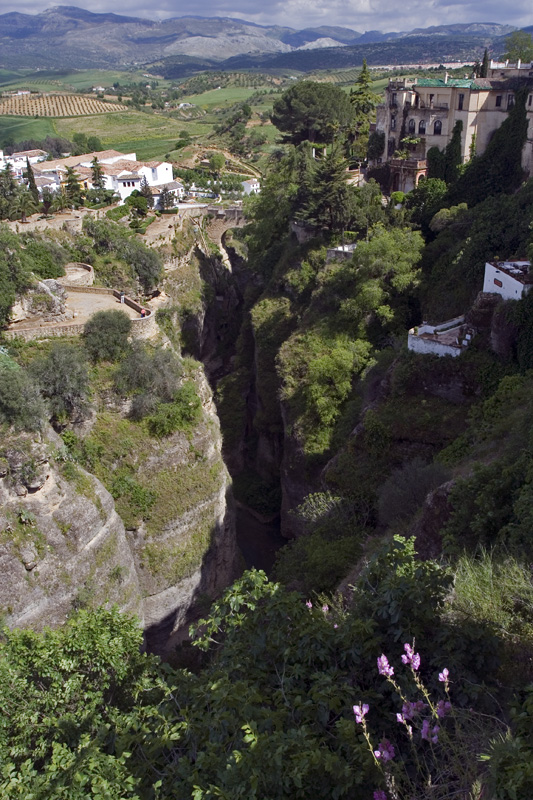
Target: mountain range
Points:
(66, 36)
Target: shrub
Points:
(181, 414)
(105, 335)
(20, 402)
(64, 381)
(147, 370)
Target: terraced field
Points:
(56, 105)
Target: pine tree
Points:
(363, 101)
(166, 198)
(8, 190)
(146, 192)
(330, 205)
(98, 181)
(30, 178)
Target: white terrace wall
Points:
(498, 282)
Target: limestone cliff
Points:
(62, 543)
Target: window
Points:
(510, 101)
(461, 102)
(394, 99)
(529, 99)
(393, 123)
(431, 96)
(498, 283)
(412, 126)
(498, 101)
(437, 127)
(422, 126)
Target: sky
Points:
(360, 15)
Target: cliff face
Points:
(62, 544)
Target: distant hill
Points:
(66, 36)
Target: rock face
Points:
(62, 544)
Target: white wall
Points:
(511, 289)
(419, 345)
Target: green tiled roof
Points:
(464, 83)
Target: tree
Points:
(216, 163)
(63, 379)
(105, 335)
(166, 198)
(137, 204)
(47, 200)
(8, 190)
(146, 192)
(519, 46)
(98, 180)
(23, 204)
(72, 188)
(452, 154)
(331, 198)
(484, 70)
(30, 178)
(317, 112)
(425, 200)
(20, 402)
(364, 102)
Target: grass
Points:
(215, 98)
(68, 80)
(17, 129)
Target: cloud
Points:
(360, 15)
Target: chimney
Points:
(445, 77)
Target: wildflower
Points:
(386, 751)
(335, 626)
(309, 604)
(325, 608)
(435, 736)
(443, 676)
(410, 710)
(384, 667)
(360, 711)
(400, 718)
(424, 733)
(411, 657)
(443, 707)
(379, 794)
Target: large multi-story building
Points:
(424, 111)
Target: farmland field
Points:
(17, 129)
(56, 105)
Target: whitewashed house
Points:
(176, 189)
(447, 339)
(251, 186)
(510, 279)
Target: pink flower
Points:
(443, 676)
(379, 794)
(384, 667)
(424, 733)
(411, 657)
(386, 751)
(435, 732)
(309, 604)
(335, 626)
(360, 711)
(325, 608)
(410, 710)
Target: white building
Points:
(447, 339)
(510, 279)
(251, 186)
(176, 189)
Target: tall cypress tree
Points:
(364, 102)
(30, 177)
(72, 188)
(146, 192)
(452, 154)
(484, 65)
(97, 174)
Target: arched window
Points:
(422, 126)
(412, 126)
(437, 127)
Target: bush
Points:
(20, 402)
(64, 381)
(105, 335)
(181, 414)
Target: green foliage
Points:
(105, 335)
(316, 562)
(499, 169)
(15, 272)
(316, 112)
(425, 200)
(46, 257)
(519, 46)
(147, 372)
(404, 491)
(364, 101)
(63, 379)
(376, 145)
(181, 414)
(20, 402)
(254, 492)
